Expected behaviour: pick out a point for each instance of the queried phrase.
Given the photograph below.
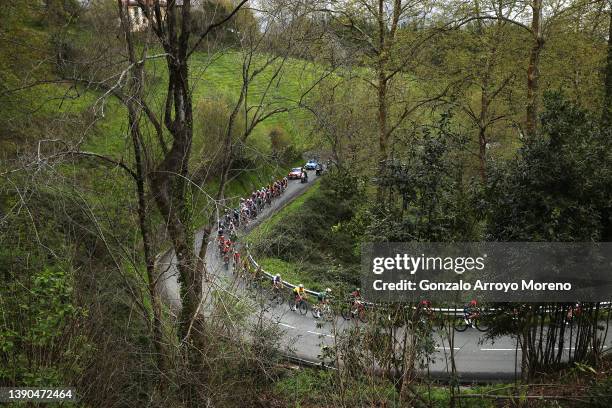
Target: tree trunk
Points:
(381, 66)
(533, 71)
(170, 186)
(482, 126)
(382, 118)
(143, 218)
(606, 116)
(482, 154)
(134, 110)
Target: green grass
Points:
(265, 228)
(52, 106)
(290, 272)
(299, 243)
(220, 75)
(67, 113)
(313, 387)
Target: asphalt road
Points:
(304, 336)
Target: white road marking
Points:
(319, 334)
(287, 325)
(511, 349)
(446, 348)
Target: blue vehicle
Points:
(311, 165)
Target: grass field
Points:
(99, 124)
(217, 77)
(54, 108)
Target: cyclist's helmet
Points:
(277, 275)
(473, 302)
(301, 286)
(328, 290)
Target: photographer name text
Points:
(478, 285)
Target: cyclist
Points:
(322, 299)
(277, 282)
(236, 214)
(424, 308)
(356, 300)
(470, 311)
(229, 244)
(232, 231)
(236, 258)
(574, 311)
(227, 249)
(299, 294)
(221, 243)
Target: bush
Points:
(280, 145)
(307, 234)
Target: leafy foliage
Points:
(425, 195)
(559, 186)
(39, 343)
(307, 234)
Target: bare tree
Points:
(392, 34)
(265, 54)
(606, 114)
(484, 114)
(541, 19)
(168, 178)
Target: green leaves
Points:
(558, 187)
(37, 346)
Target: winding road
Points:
(304, 337)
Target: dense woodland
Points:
(444, 121)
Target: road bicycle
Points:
(354, 309)
(322, 311)
(301, 306)
(475, 320)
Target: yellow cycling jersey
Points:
(298, 291)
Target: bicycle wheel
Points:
(303, 307)
(481, 326)
(460, 324)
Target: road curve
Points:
(304, 337)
